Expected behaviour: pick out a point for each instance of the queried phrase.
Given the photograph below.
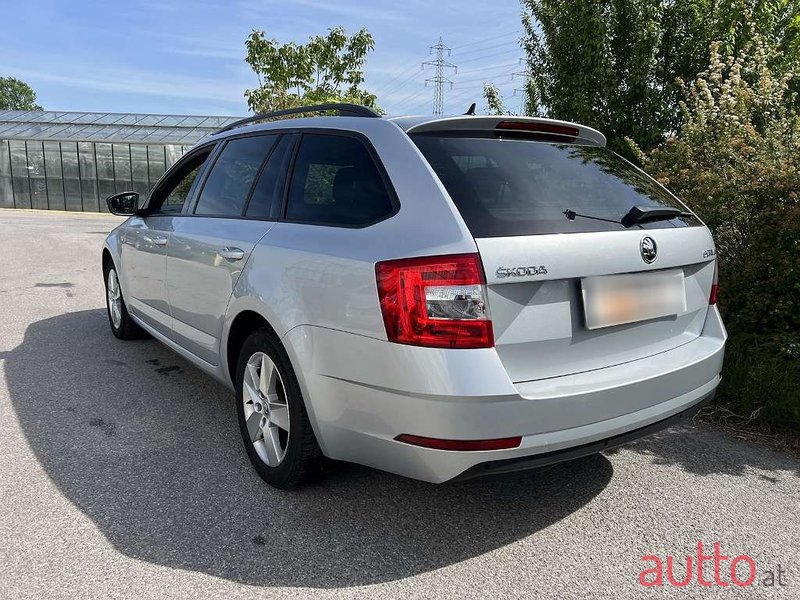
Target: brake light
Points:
(712, 299)
(565, 130)
(437, 301)
(460, 445)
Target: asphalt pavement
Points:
(122, 475)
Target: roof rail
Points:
(345, 109)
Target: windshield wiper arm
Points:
(647, 214)
(571, 214)
(636, 215)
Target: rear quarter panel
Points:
(324, 276)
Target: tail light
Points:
(546, 132)
(554, 128)
(437, 301)
(712, 299)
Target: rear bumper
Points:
(361, 393)
(535, 461)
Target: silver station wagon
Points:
(439, 297)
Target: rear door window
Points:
(267, 197)
(228, 185)
(335, 181)
(506, 187)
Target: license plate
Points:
(618, 299)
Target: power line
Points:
(496, 37)
(438, 80)
(486, 79)
(498, 67)
(397, 86)
(440, 64)
(468, 90)
(474, 50)
(419, 107)
(409, 98)
(517, 49)
(465, 98)
(387, 84)
(464, 93)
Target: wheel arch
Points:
(112, 253)
(107, 259)
(242, 325)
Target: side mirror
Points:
(124, 204)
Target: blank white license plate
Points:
(618, 299)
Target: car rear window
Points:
(506, 187)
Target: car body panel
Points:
(113, 245)
(375, 390)
(200, 280)
(538, 318)
(145, 264)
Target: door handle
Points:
(231, 253)
(156, 241)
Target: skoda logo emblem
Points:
(648, 249)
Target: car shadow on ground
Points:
(706, 450)
(148, 448)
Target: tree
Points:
(17, 95)
(735, 160)
(494, 100)
(326, 69)
(615, 64)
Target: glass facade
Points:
(78, 176)
(74, 161)
(6, 183)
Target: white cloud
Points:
(211, 90)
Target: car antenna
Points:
(471, 110)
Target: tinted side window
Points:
(170, 197)
(335, 181)
(228, 184)
(267, 196)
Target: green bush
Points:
(736, 162)
(761, 382)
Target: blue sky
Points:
(186, 57)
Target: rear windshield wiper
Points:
(571, 214)
(636, 215)
(647, 214)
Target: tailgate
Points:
(536, 300)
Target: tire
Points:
(122, 325)
(273, 421)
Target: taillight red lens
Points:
(437, 301)
(712, 299)
(460, 445)
(554, 128)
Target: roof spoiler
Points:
(579, 134)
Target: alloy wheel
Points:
(114, 298)
(265, 409)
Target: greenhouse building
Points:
(74, 160)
